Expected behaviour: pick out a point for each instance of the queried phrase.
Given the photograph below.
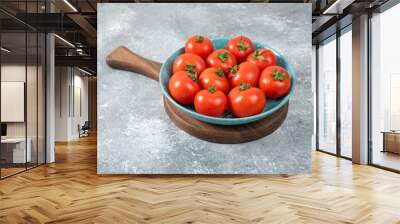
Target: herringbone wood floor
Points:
(70, 191)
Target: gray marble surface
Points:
(135, 136)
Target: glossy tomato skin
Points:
(187, 61)
(214, 77)
(263, 58)
(246, 72)
(241, 47)
(221, 58)
(246, 102)
(275, 82)
(183, 87)
(210, 103)
(199, 45)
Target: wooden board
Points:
(123, 58)
(226, 134)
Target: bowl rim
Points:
(236, 120)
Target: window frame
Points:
(334, 37)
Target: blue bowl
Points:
(226, 119)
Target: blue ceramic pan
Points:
(122, 58)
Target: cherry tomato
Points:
(263, 58)
(211, 102)
(241, 47)
(221, 58)
(275, 82)
(183, 87)
(246, 72)
(245, 101)
(188, 62)
(199, 45)
(214, 77)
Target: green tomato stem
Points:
(190, 68)
(193, 76)
(199, 39)
(279, 75)
(212, 89)
(219, 72)
(223, 56)
(233, 70)
(243, 86)
(241, 45)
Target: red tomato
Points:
(263, 58)
(245, 101)
(211, 102)
(246, 72)
(241, 47)
(199, 45)
(188, 62)
(183, 87)
(221, 58)
(275, 82)
(214, 77)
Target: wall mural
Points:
(204, 88)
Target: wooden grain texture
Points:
(226, 134)
(124, 59)
(70, 191)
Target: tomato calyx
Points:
(190, 68)
(193, 76)
(279, 75)
(219, 72)
(242, 46)
(223, 56)
(233, 70)
(212, 89)
(258, 55)
(243, 86)
(199, 39)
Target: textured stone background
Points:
(135, 134)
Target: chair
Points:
(84, 130)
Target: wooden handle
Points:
(124, 59)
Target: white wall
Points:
(12, 101)
(33, 127)
(62, 81)
(81, 108)
(16, 72)
(70, 84)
